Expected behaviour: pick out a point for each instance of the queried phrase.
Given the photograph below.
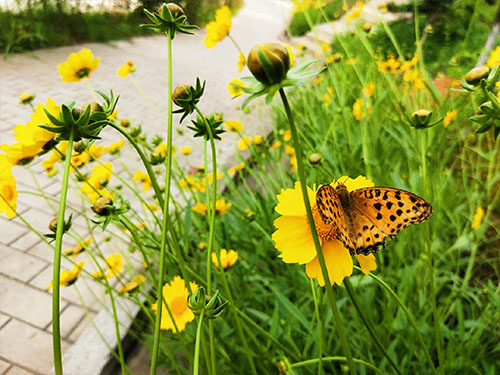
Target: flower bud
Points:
(474, 76)
(79, 147)
(258, 139)
(125, 122)
(314, 159)
(26, 97)
(100, 204)
(337, 57)
(181, 92)
(421, 118)
(269, 62)
(76, 113)
(486, 107)
(175, 9)
(94, 107)
(367, 27)
(53, 225)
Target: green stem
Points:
(329, 288)
(409, 316)
(336, 359)
(197, 346)
(56, 328)
(320, 329)
(168, 174)
(368, 325)
(146, 99)
(87, 82)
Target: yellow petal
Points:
(338, 263)
(290, 201)
(293, 239)
(353, 184)
(367, 263)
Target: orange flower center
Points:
(325, 231)
(178, 306)
(8, 192)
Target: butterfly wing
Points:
(332, 213)
(388, 211)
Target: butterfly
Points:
(364, 218)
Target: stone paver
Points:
(26, 261)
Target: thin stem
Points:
(329, 288)
(336, 359)
(87, 82)
(197, 346)
(56, 328)
(320, 328)
(168, 175)
(368, 325)
(146, 98)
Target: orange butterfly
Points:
(363, 218)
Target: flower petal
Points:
(367, 263)
(293, 239)
(290, 201)
(354, 183)
(338, 263)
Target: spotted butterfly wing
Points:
(365, 217)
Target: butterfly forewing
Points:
(369, 215)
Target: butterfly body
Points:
(364, 218)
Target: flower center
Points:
(82, 73)
(325, 231)
(178, 306)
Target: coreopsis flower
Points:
(327, 100)
(221, 207)
(140, 176)
(113, 148)
(31, 138)
(450, 116)
(227, 258)
(8, 189)
(234, 126)
(236, 168)
(358, 110)
(294, 240)
(478, 218)
(78, 66)
(200, 208)
(79, 248)
(241, 62)
(189, 182)
(409, 64)
(392, 65)
(355, 11)
(186, 150)
(126, 69)
(132, 286)
(257, 140)
(351, 61)
(175, 296)
(68, 277)
(494, 58)
(369, 90)
(244, 142)
(26, 98)
(234, 87)
(287, 135)
(218, 29)
(114, 265)
(414, 77)
(55, 156)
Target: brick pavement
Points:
(26, 261)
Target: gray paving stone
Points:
(3, 319)
(15, 370)
(10, 230)
(3, 366)
(19, 265)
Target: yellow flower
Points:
(30, 137)
(221, 207)
(79, 65)
(275, 145)
(186, 150)
(355, 11)
(390, 66)
(132, 286)
(408, 65)
(175, 296)
(140, 176)
(68, 277)
(8, 190)
(494, 58)
(369, 90)
(287, 135)
(244, 142)
(114, 264)
(325, 47)
(227, 258)
(294, 240)
(190, 182)
(351, 61)
(234, 126)
(79, 248)
(233, 88)
(241, 62)
(450, 116)
(113, 148)
(55, 156)
(257, 140)
(327, 100)
(126, 69)
(218, 29)
(26, 97)
(358, 110)
(317, 80)
(200, 208)
(236, 168)
(101, 174)
(478, 218)
(112, 117)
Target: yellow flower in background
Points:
(68, 277)
(327, 100)
(218, 29)
(351, 61)
(369, 90)
(408, 65)
(126, 69)
(355, 11)
(79, 247)
(189, 182)
(234, 126)
(227, 258)
(78, 66)
(8, 188)
(114, 265)
(414, 77)
(95, 151)
(494, 58)
(287, 135)
(478, 218)
(244, 142)
(390, 66)
(325, 47)
(132, 286)
(26, 98)
(112, 117)
(257, 140)
(140, 176)
(101, 174)
(113, 148)
(200, 208)
(294, 240)
(236, 168)
(358, 110)
(31, 139)
(55, 156)
(186, 150)
(275, 146)
(175, 296)
(317, 80)
(241, 62)
(450, 116)
(221, 207)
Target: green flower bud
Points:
(94, 107)
(125, 122)
(269, 62)
(175, 9)
(181, 92)
(421, 118)
(211, 306)
(484, 108)
(474, 76)
(53, 225)
(100, 206)
(76, 113)
(79, 147)
(314, 159)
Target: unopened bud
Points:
(477, 74)
(269, 62)
(125, 122)
(181, 92)
(175, 9)
(53, 225)
(100, 206)
(94, 107)
(367, 27)
(314, 159)
(421, 118)
(79, 147)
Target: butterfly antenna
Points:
(331, 175)
(359, 165)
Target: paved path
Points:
(25, 261)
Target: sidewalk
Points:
(26, 262)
